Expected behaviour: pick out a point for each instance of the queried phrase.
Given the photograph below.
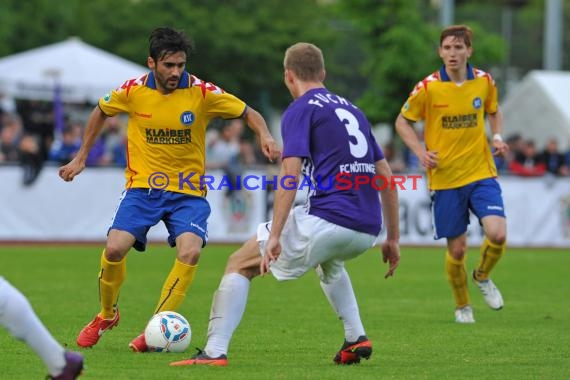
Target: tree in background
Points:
(239, 43)
(29, 24)
(375, 50)
(400, 41)
(399, 46)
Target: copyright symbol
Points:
(158, 180)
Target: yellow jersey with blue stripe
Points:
(166, 132)
(454, 125)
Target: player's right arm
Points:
(284, 199)
(406, 131)
(92, 131)
(391, 212)
(413, 110)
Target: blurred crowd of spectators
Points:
(228, 149)
(523, 159)
(28, 138)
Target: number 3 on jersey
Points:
(360, 148)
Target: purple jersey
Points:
(333, 136)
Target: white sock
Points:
(342, 299)
(18, 317)
(227, 311)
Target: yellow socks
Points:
(490, 255)
(175, 286)
(457, 278)
(111, 277)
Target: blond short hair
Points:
(306, 61)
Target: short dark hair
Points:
(461, 32)
(164, 41)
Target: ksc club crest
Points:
(187, 118)
(477, 103)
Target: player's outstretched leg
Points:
(352, 352)
(172, 295)
(18, 317)
(341, 296)
(201, 358)
(111, 277)
(228, 307)
(73, 367)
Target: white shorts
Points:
(310, 242)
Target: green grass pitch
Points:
(289, 330)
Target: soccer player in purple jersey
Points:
(324, 136)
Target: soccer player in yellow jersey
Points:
(168, 110)
(453, 103)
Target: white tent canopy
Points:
(84, 72)
(539, 108)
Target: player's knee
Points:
(328, 275)
(189, 256)
(498, 238)
(236, 264)
(233, 264)
(114, 253)
(458, 253)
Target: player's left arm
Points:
(391, 212)
(495, 118)
(496, 122)
(284, 198)
(257, 123)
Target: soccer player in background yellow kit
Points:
(453, 102)
(169, 110)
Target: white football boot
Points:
(464, 315)
(491, 294)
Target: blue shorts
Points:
(450, 208)
(140, 209)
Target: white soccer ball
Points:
(167, 331)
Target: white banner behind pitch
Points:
(538, 210)
(53, 210)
